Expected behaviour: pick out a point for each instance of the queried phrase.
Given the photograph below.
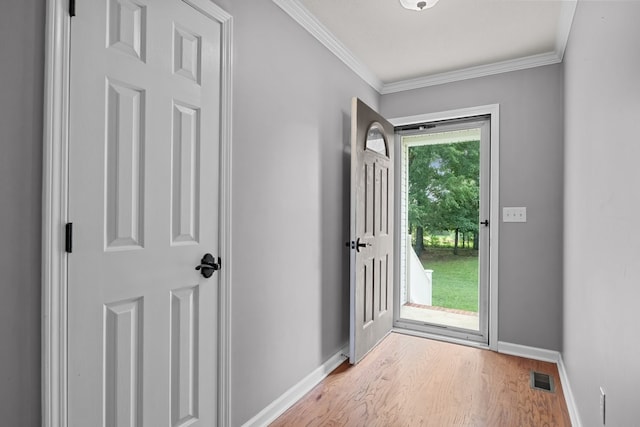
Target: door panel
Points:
(184, 354)
(143, 197)
(371, 229)
(124, 166)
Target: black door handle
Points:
(361, 245)
(485, 222)
(356, 245)
(208, 265)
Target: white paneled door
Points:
(143, 199)
(371, 229)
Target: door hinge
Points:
(68, 237)
(72, 7)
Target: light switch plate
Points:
(518, 214)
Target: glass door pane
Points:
(441, 249)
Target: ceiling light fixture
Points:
(418, 4)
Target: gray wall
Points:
(602, 268)
(531, 175)
(290, 285)
(21, 94)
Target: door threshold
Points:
(451, 340)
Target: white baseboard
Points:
(568, 395)
(534, 353)
(295, 393)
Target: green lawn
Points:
(455, 278)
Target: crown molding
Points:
(472, 72)
(303, 17)
(565, 20)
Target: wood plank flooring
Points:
(410, 381)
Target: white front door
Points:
(371, 229)
(143, 199)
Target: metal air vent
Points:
(544, 382)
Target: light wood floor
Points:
(410, 381)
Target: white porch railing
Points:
(419, 280)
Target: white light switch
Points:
(514, 214)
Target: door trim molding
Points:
(55, 214)
(494, 217)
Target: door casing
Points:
(493, 110)
(55, 215)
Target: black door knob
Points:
(208, 265)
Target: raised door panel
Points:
(185, 335)
(369, 194)
(187, 53)
(124, 167)
(185, 169)
(123, 339)
(127, 27)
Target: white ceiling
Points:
(396, 49)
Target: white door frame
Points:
(494, 214)
(55, 201)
